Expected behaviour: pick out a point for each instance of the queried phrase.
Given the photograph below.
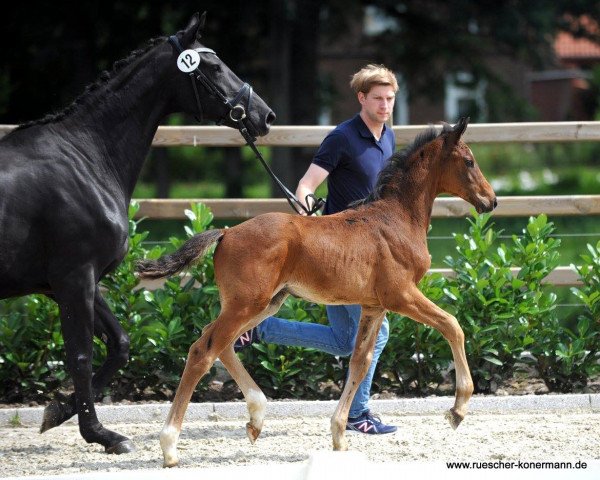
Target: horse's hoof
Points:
(454, 418)
(126, 446)
(52, 416)
(252, 432)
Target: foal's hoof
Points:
(126, 446)
(52, 416)
(454, 418)
(252, 432)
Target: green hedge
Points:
(510, 323)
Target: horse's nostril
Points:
(495, 202)
(270, 118)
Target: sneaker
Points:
(246, 339)
(369, 424)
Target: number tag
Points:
(188, 61)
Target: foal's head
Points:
(459, 173)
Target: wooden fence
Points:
(312, 136)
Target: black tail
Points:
(191, 251)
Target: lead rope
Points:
(290, 197)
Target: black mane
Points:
(399, 161)
(103, 78)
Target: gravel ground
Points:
(537, 435)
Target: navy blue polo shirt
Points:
(353, 159)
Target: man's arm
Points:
(313, 177)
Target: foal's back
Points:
(330, 259)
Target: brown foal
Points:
(372, 254)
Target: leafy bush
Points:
(508, 318)
(569, 355)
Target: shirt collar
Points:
(364, 130)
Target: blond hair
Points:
(367, 77)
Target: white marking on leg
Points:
(168, 442)
(256, 403)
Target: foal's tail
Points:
(190, 252)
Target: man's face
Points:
(378, 104)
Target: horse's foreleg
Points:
(74, 293)
(255, 398)
(108, 329)
(421, 309)
(201, 356)
(368, 329)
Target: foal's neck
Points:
(412, 194)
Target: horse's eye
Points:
(469, 163)
(216, 68)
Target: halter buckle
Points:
(237, 113)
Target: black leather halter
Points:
(237, 114)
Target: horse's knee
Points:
(121, 350)
(80, 363)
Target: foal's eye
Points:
(469, 163)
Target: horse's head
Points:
(460, 174)
(216, 93)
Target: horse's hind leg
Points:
(255, 398)
(108, 329)
(74, 294)
(368, 329)
(202, 354)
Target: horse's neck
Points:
(121, 119)
(413, 195)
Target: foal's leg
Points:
(109, 330)
(202, 354)
(74, 294)
(368, 329)
(255, 398)
(421, 309)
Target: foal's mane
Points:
(103, 79)
(400, 162)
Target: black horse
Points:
(65, 186)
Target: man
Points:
(350, 158)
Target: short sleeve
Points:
(330, 152)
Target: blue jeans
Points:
(336, 338)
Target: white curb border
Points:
(113, 414)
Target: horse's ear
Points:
(202, 22)
(461, 126)
(452, 134)
(193, 28)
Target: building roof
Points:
(567, 46)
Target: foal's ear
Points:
(461, 126)
(452, 134)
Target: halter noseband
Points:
(237, 114)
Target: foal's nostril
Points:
(495, 202)
(270, 118)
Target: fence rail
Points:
(243, 208)
(312, 136)
(560, 276)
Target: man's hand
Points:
(307, 185)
